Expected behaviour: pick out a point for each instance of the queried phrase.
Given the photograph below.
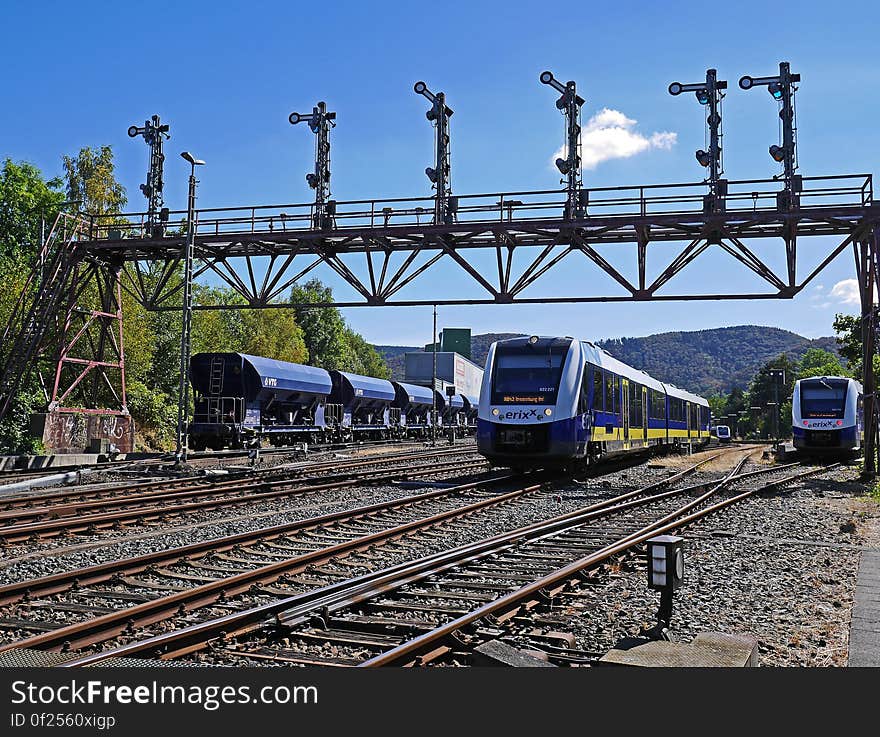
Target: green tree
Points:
(92, 183)
(323, 327)
(817, 362)
(770, 394)
(330, 342)
(27, 202)
(363, 358)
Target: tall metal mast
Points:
(320, 122)
(782, 89)
(153, 132)
(570, 104)
(440, 173)
(708, 93)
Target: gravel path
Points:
(781, 568)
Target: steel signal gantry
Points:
(320, 122)
(153, 132)
(708, 93)
(570, 104)
(445, 205)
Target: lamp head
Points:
(191, 159)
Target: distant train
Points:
(548, 401)
(827, 415)
(241, 400)
(722, 432)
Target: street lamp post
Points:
(185, 343)
(434, 348)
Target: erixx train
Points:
(241, 400)
(549, 401)
(826, 414)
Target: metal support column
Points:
(434, 347)
(867, 284)
(185, 336)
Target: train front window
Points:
(527, 375)
(823, 399)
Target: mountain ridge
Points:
(701, 361)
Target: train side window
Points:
(609, 392)
(598, 389)
(661, 405)
(584, 398)
(634, 393)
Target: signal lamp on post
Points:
(703, 157)
(777, 152)
(665, 574)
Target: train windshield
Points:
(528, 375)
(823, 399)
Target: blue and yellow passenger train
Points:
(550, 401)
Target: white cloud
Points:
(846, 292)
(609, 134)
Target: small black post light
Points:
(665, 574)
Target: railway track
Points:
(195, 459)
(31, 518)
(146, 485)
(147, 589)
(440, 606)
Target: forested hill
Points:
(703, 361)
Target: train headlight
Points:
(533, 339)
(548, 411)
(806, 423)
(495, 411)
(840, 423)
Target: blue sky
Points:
(226, 75)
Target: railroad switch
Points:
(665, 574)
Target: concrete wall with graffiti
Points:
(78, 433)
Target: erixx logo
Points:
(821, 424)
(521, 414)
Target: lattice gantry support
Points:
(867, 253)
(320, 122)
(154, 131)
(570, 103)
(445, 205)
(88, 399)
